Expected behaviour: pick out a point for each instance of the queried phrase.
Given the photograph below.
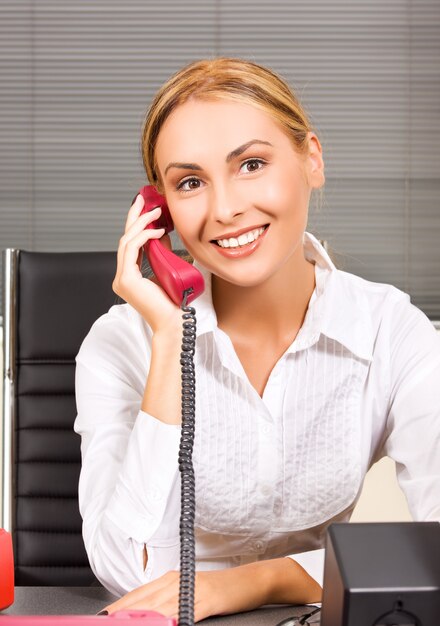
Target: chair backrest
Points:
(50, 302)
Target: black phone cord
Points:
(187, 514)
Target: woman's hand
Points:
(145, 295)
(233, 590)
(216, 592)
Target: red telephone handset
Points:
(175, 275)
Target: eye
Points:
(191, 184)
(253, 165)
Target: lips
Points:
(241, 237)
(241, 251)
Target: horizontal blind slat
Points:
(77, 77)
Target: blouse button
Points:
(267, 429)
(258, 545)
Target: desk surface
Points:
(90, 600)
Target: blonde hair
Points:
(225, 78)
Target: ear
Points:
(315, 162)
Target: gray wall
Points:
(77, 76)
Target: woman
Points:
(305, 374)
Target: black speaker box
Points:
(382, 574)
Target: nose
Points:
(226, 205)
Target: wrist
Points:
(290, 583)
(237, 589)
(167, 322)
(167, 344)
(162, 394)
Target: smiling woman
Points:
(306, 375)
(227, 191)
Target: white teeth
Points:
(242, 240)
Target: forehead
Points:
(200, 126)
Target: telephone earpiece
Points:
(177, 277)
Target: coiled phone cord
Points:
(187, 514)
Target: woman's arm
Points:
(129, 483)
(162, 396)
(129, 489)
(234, 590)
(413, 425)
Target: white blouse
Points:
(361, 380)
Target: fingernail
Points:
(104, 612)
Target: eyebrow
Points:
(232, 155)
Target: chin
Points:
(243, 279)
(252, 271)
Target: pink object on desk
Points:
(120, 618)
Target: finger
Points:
(136, 218)
(166, 601)
(132, 250)
(169, 608)
(135, 210)
(135, 239)
(140, 598)
(137, 227)
(134, 224)
(141, 223)
(144, 592)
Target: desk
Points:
(90, 600)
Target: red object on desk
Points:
(7, 570)
(120, 618)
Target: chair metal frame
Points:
(10, 264)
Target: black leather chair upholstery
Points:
(58, 296)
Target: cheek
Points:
(190, 214)
(187, 224)
(283, 193)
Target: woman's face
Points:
(237, 190)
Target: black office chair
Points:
(50, 302)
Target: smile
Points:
(242, 240)
(243, 244)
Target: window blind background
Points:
(77, 77)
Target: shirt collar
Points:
(338, 308)
(335, 308)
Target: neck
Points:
(276, 307)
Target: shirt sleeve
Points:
(413, 424)
(129, 488)
(313, 563)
